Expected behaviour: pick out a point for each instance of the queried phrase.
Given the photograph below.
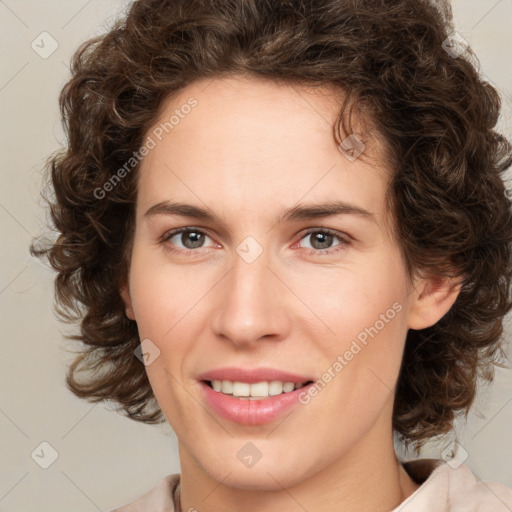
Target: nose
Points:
(252, 303)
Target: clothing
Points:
(442, 489)
(447, 489)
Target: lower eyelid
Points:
(329, 251)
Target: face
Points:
(253, 282)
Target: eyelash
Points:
(311, 252)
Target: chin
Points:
(258, 479)
(271, 472)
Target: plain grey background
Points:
(103, 460)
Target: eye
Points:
(321, 241)
(185, 240)
(190, 238)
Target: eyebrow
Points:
(294, 214)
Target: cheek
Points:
(358, 304)
(367, 313)
(168, 302)
(162, 295)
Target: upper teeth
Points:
(254, 390)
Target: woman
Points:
(286, 226)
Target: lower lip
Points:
(251, 412)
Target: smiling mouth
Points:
(255, 390)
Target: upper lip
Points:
(252, 375)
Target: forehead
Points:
(247, 144)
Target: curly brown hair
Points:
(435, 114)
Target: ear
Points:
(125, 295)
(431, 299)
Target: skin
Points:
(248, 151)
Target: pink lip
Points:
(253, 375)
(251, 412)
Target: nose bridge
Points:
(249, 306)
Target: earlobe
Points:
(432, 298)
(125, 295)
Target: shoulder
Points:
(158, 499)
(452, 489)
